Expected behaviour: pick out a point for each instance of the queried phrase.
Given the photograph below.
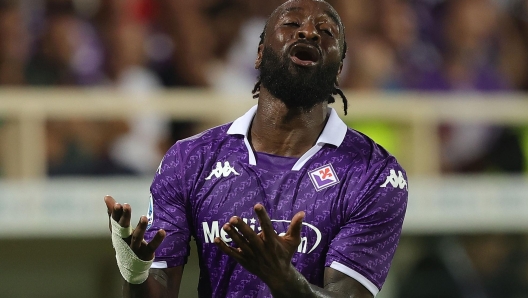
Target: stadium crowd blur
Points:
(140, 46)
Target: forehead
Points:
(314, 7)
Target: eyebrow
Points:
(327, 12)
(334, 17)
(294, 8)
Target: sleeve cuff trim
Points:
(357, 276)
(158, 265)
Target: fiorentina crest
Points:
(323, 177)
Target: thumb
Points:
(294, 229)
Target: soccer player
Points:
(285, 201)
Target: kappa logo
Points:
(323, 177)
(397, 181)
(222, 171)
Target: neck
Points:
(277, 129)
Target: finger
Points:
(295, 227)
(243, 228)
(110, 202)
(239, 240)
(124, 221)
(117, 212)
(139, 233)
(156, 241)
(265, 222)
(228, 250)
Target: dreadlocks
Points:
(331, 99)
(256, 89)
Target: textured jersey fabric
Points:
(353, 192)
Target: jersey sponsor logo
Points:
(213, 229)
(323, 177)
(222, 171)
(150, 213)
(397, 181)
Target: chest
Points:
(232, 188)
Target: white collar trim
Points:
(333, 133)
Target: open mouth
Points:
(304, 54)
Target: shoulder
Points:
(205, 138)
(370, 154)
(207, 141)
(378, 174)
(198, 147)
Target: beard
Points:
(296, 86)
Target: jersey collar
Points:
(333, 133)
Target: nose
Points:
(309, 32)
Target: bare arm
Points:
(161, 283)
(336, 281)
(336, 285)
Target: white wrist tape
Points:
(133, 269)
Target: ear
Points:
(259, 56)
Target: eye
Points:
(292, 24)
(327, 29)
(328, 32)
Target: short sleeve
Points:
(167, 210)
(365, 245)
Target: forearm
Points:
(295, 285)
(154, 287)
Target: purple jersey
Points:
(353, 192)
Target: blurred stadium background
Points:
(93, 92)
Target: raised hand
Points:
(266, 254)
(122, 214)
